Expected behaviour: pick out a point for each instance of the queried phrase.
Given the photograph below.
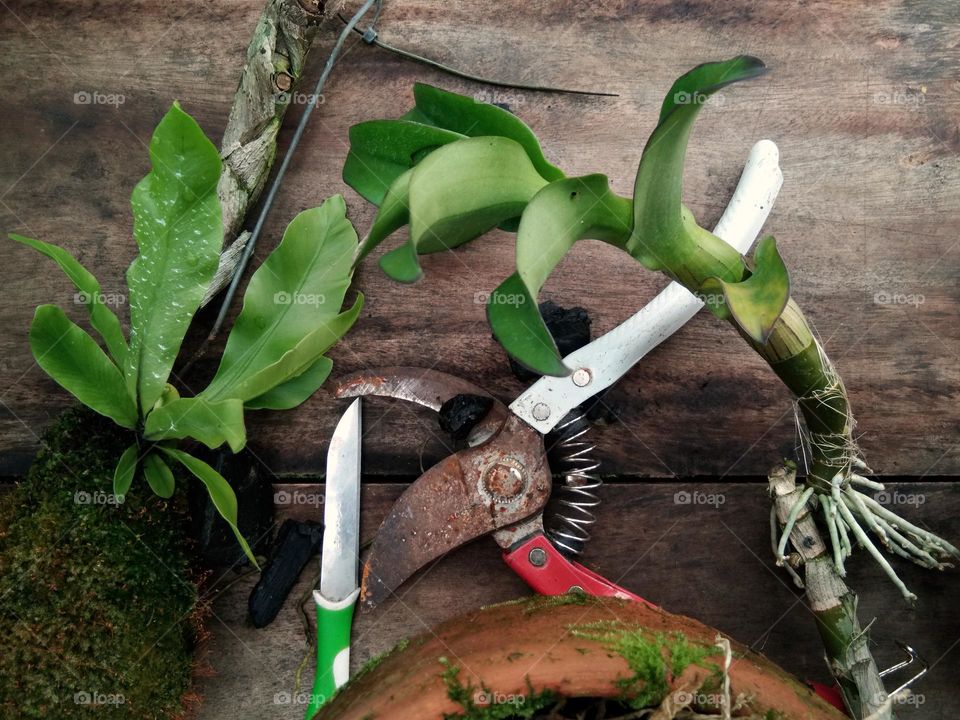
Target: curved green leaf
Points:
(757, 302)
(126, 468)
(658, 190)
(458, 193)
(517, 324)
(393, 214)
(74, 360)
(297, 293)
(383, 150)
(159, 475)
(562, 213)
(220, 491)
(212, 423)
(103, 320)
(294, 391)
(176, 222)
(470, 117)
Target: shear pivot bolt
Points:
(537, 557)
(541, 411)
(582, 377)
(504, 481)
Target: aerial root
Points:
(850, 515)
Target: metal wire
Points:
(571, 516)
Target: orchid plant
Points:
(453, 169)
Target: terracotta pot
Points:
(572, 646)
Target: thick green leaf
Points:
(212, 423)
(757, 302)
(298, 359)
(74, 360)
(176, 222)
(159, 475)
(394, 213)
(458, 193)
(383, 150)
(468, 116)
(220, 491)
(294, 391)
(297, 293)
(126, 468)
(103, 320)
(657, 193)
(562, 213)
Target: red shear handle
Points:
(830, 693)
(548, 572)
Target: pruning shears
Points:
(501, 482)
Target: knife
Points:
(339, 562)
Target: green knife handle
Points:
(334, 620)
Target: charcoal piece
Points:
(570, 328)
(461, 413)
(252, 484)
(296, 543)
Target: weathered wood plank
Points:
(861, 98)
(712, 562)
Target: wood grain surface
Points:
(708, 561)
(862, 98)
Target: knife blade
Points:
(339, 563)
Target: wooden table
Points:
(863, 100)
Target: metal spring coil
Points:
(571, 512)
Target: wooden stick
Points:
(271, 73)
(833, 604)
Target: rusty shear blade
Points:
(430, 388)
(469, 494)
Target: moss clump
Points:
(96, 598)
(375, 661)
(654, 658)
(481, 703)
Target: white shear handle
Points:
(601, 363)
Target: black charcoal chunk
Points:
(297, 542)
(461, 413)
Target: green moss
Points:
(652, 657)
(375, 661)
(96, 599)
(482, 703)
